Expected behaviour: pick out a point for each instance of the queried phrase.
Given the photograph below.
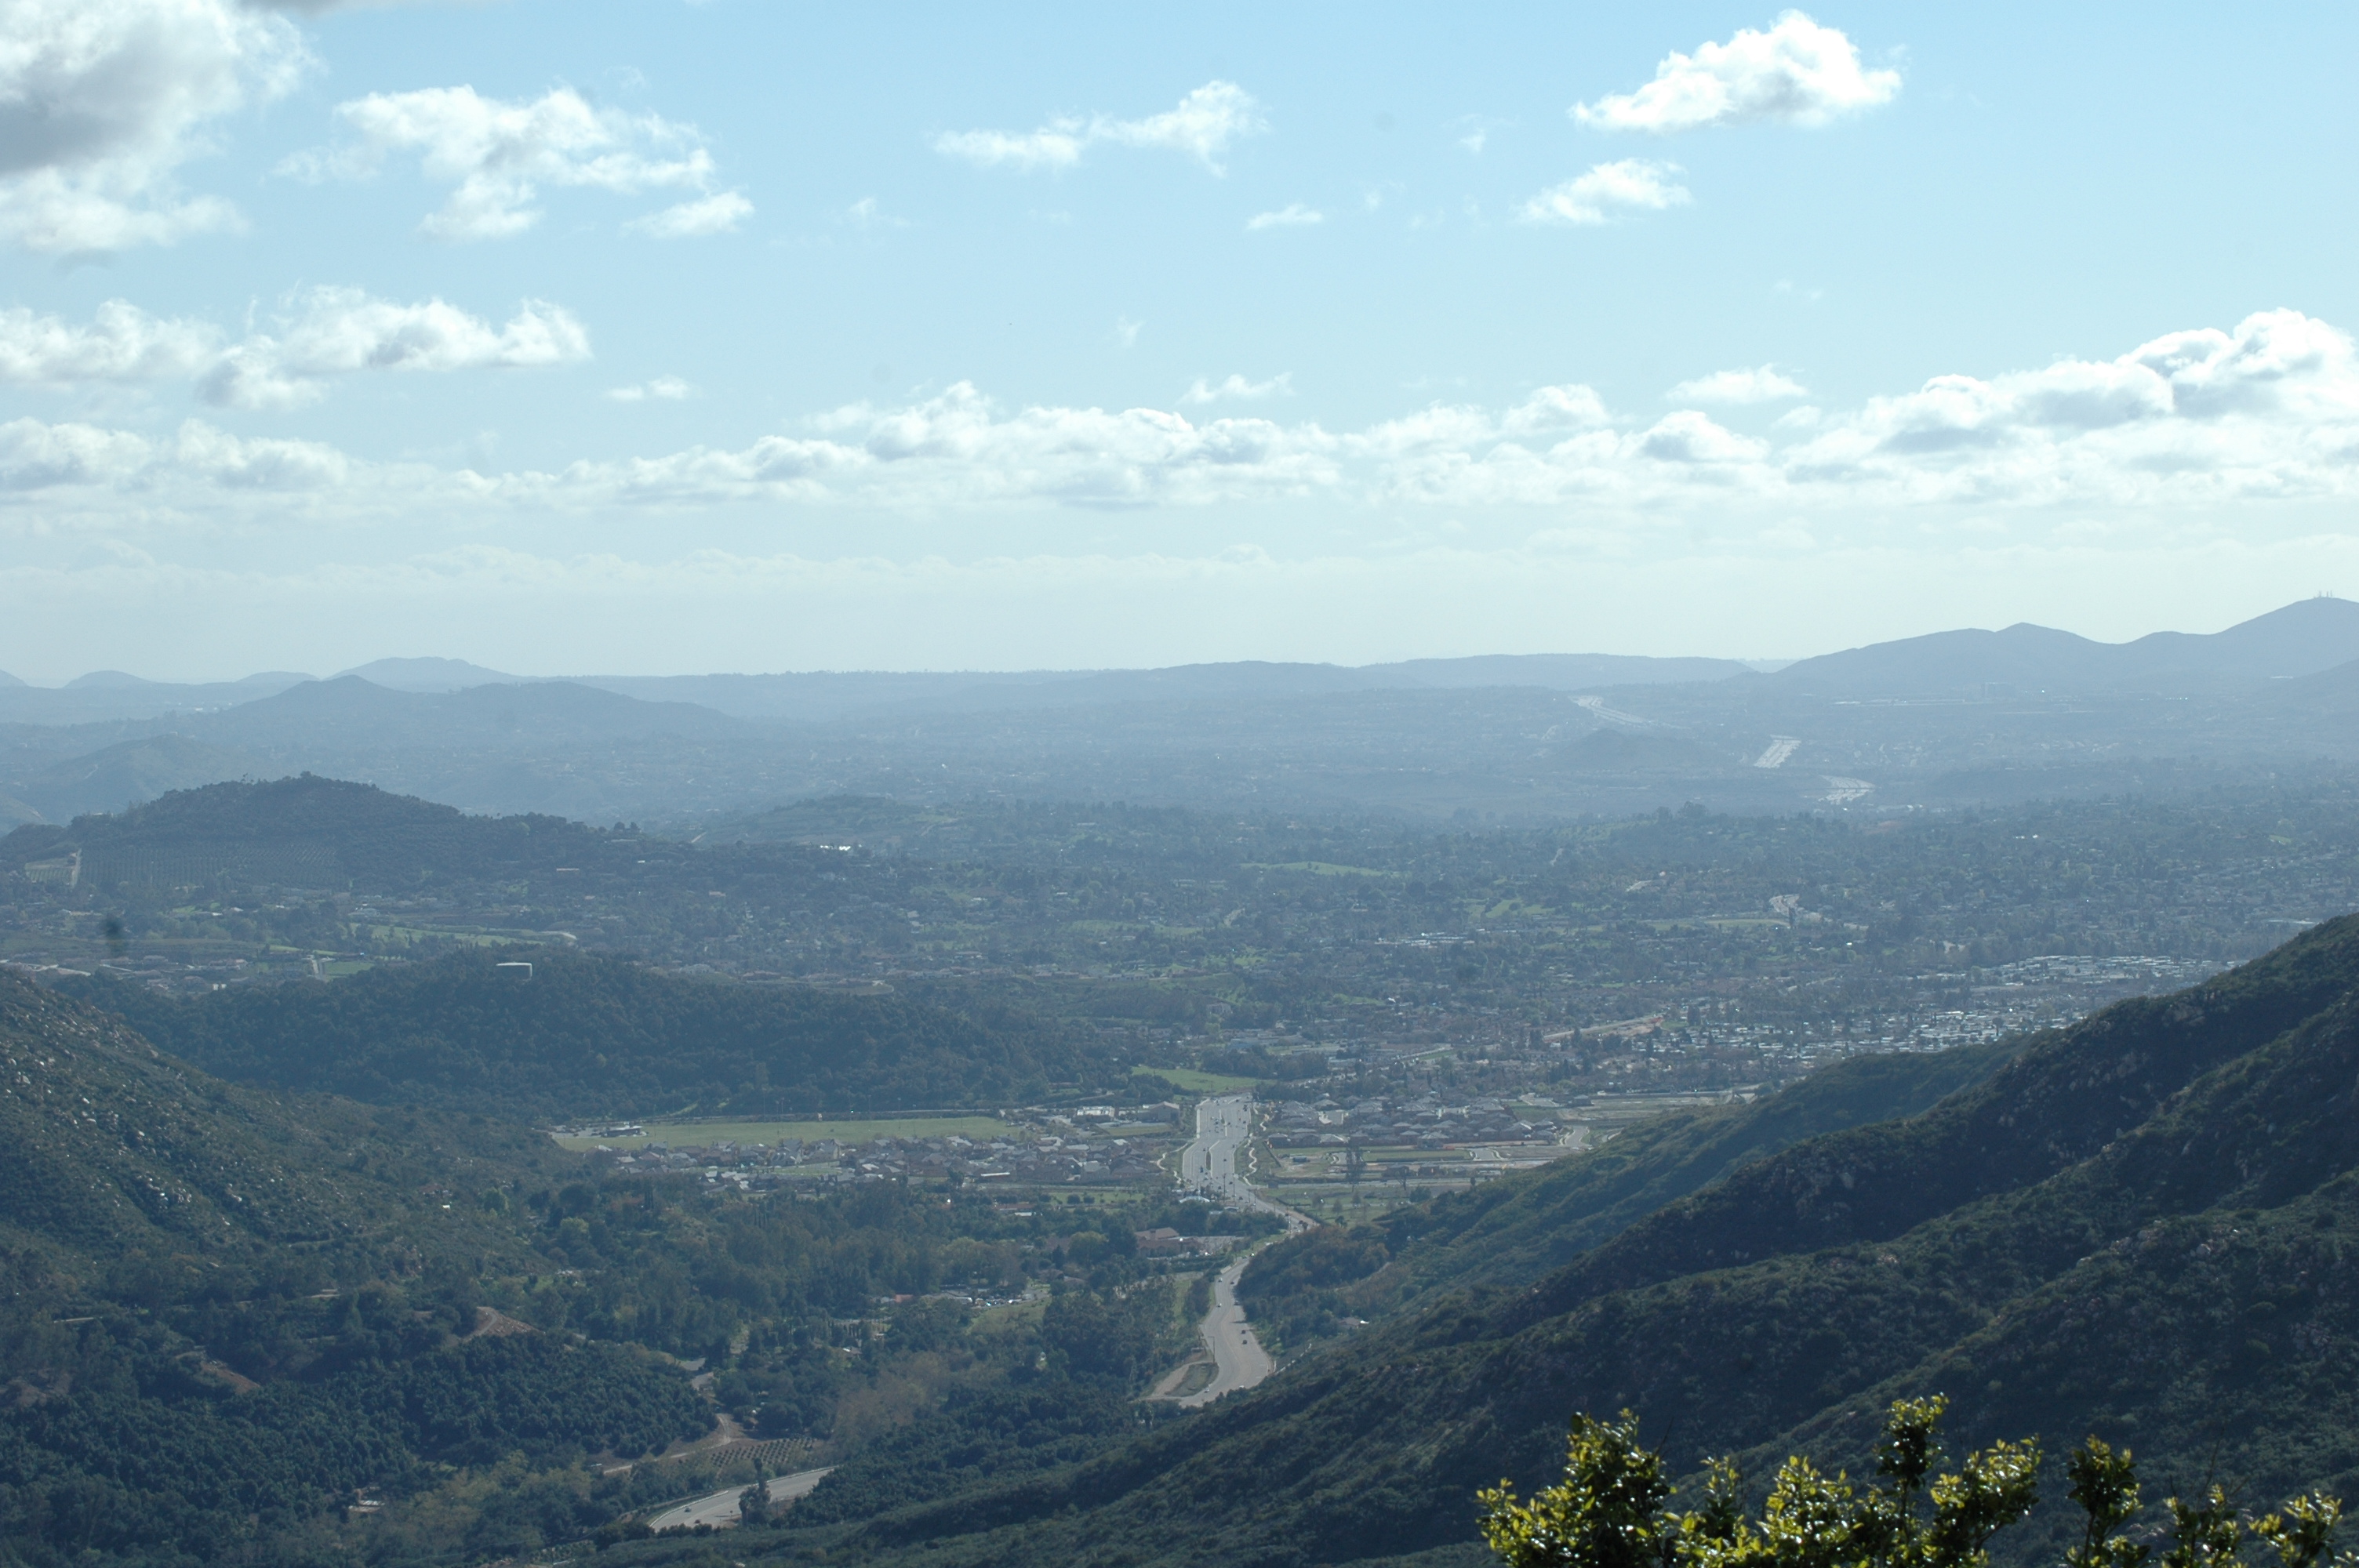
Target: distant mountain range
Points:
(1951, 718)
(2302, 639)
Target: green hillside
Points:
(308, 831)
(118, 1162)
(2145, 1226)
(222, 1312)
(1519, 1229)
(594, 1036)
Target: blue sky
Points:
(660, 336)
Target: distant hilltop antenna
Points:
(2328, 593)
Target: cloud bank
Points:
(327, 332)
(2266, 411)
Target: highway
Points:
(1210, 1165)
(719, 1509)
(1238, 1359)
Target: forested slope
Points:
(587, 1036)
(314, 832)
(1523, 1227)
(222, 1312)
(2146, 1225)
(117, 1159)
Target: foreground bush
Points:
(1610, 1510)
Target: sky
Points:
(659, 338)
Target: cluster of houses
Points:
(1419, 1123)
(1069, 1149)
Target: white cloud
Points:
(1797, 73)
(38, 457)
(958, 449)
(1238, 387)
(1597, 196)
(865, 213)
(1688, 436)
(1764, 383)
(329, 333)
(123, 343)
(1203, 125)
(2181, 426)
(1125, 332)
(337, 331)
(716, 214)
(499, 155)
(663, 388)
(1293, 215)
(102, 100)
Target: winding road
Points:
(1208, 1166)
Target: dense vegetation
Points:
(229, 1313)
(1611, 1509)
(1510, 1232)
(588, 1036)
(343, 833)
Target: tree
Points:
(1611, 1509)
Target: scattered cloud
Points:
(1203, 125)
(865, 213)
(338, 332)
(1476, 134)
(328, 332)
(1293, 215)
(1125, 332)
(662, 389)
(2266, 411)
(716, 214)
(1764, 383)
(498, 155)
(101, 101)
(1607, 190)
(1238, 387)
(1797, 73)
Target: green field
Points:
(1197, 1082)
(696, 1134)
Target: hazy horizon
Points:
(1764, 663)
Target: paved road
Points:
(719, 1509)
(1238, 1359)
(1210, 1165)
